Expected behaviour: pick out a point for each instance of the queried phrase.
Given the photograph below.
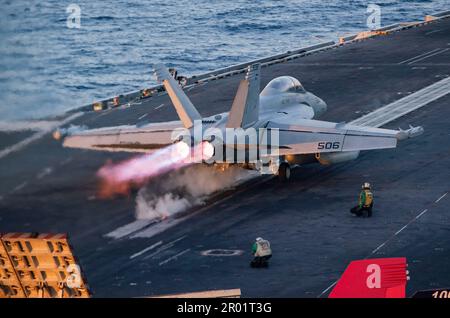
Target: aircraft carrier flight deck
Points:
(48, 188)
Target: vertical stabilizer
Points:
(185, 109)
(245, 109)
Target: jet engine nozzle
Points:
(203, 151)
(213, 149)
(208, 150)
(181, 150)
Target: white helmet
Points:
(259, 239)
(366, 185)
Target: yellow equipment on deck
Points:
(39, 266)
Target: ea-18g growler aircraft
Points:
(283, 115)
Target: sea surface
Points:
(47, 68)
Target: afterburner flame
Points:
(207, 150)
(121, 177)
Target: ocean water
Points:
(47, 68)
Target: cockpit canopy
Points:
(283, 84)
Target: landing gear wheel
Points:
(284, 172)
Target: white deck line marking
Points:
(430, 55)
(178, 239)
(44, 172)
(441, 197)
(158, 228)
(431, 32)
(20, 186)
(157, 107)
(22, 144)
(418, 56)
(422, 213)
(145, 250)
(405, 105)
(378, 248)
(396, 233)
(128, 229)
(161, 249)
(327, 289)
(66, 161)
(145, 115)
(165, 247)
(174, 257)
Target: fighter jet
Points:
(270, 131)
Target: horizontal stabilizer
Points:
(146, 138)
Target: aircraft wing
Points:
(146, 138)
(314, 136)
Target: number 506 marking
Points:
(328, 145)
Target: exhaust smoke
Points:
(183, 189)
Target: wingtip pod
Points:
(410, 133)
(373, 278)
